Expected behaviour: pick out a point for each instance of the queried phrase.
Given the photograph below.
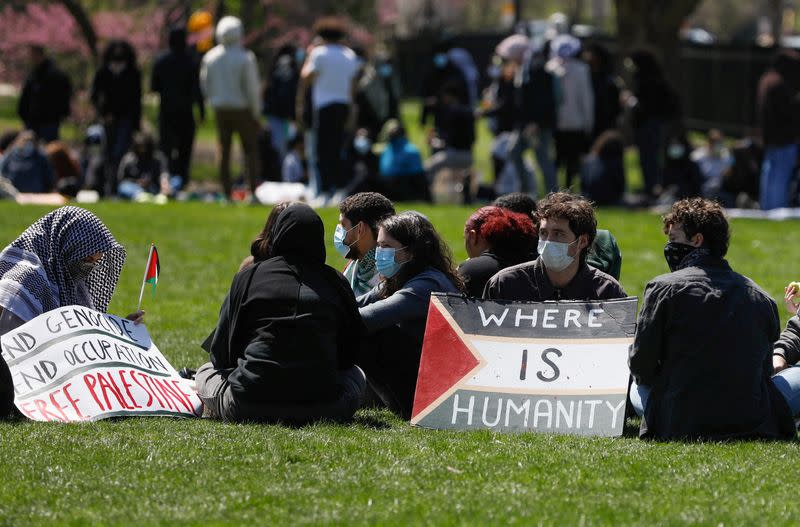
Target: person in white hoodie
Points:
(229, 79)
(575, 120)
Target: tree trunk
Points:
(84, 23)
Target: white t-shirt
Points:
(335, 66)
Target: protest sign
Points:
(558, 367)
(77, 364)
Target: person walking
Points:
(229, 80)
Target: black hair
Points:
(517, 202)
(369, 207)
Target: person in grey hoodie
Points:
(229, 80)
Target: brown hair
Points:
(331, 28)
(64, 165)
(418, 235)
(698, 215)
(577, 210)
(260, 248)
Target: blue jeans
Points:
(279, 129)
(543, 158)
(786, 381)
(776, 173)
(648, 141)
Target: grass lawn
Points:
(378, 470)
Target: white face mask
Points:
(554, 255)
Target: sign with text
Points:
(558, 367)
(77, 364)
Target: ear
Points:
(697, 240)
(583, 241)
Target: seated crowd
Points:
(297, 341)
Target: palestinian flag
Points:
(153, 269)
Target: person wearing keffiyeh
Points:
(68, 257)
(356, 235)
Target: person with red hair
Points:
(495, 238)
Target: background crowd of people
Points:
(327, 116)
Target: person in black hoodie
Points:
(284, 347)
(279, 97)
(701, 359)
(495, 238)
(176, 78)
(116, 95)
(45, 97)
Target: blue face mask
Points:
(338, 240)
(440, 60)
(385, 70)
(362, 144)
(385, 261)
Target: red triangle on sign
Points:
(445, 360)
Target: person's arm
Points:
(788, 344)
(407, 303)
(23, 103)
(197, 92)
(491, 290)
(155, 78)
(588, 101)
(251, 85)
(137, 100)
(647, 351)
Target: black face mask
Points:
(675, 252)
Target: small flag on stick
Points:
(151, 272)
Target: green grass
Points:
(379, 470)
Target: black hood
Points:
(177, 39)
(299, 235)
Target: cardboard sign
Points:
(76, 364)
(558, 367)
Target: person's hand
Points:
(789, 298)
(137, 317)
(779, 363)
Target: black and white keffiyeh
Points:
(38, 269)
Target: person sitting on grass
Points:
(143, 172)
(413, 262)
(283, 349)
(355, 237)
(26, 165)
(495, 238)
(702, 357)
(567, 228)
(68, 257)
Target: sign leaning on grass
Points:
(558, 367)
(77, 364)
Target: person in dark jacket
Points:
(444, 72)
(567, 228)
(495, 238)
(283, 349)
(606, 89)
(45, 98)
(116, 95)
(702, 355)
(536, 104)
(682, 178)
(653, 103)
(603, 170)
(279, 96)
(778, 118)
(413, 262)
(176, 78)
(455, 136)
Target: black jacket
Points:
(176, 78)
(477, 271)
(45, 96)
(529, 282)
(290, 322)
(536, 96)
(704, 346)
(456, 126)
(118, 95)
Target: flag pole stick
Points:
(146, 268)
